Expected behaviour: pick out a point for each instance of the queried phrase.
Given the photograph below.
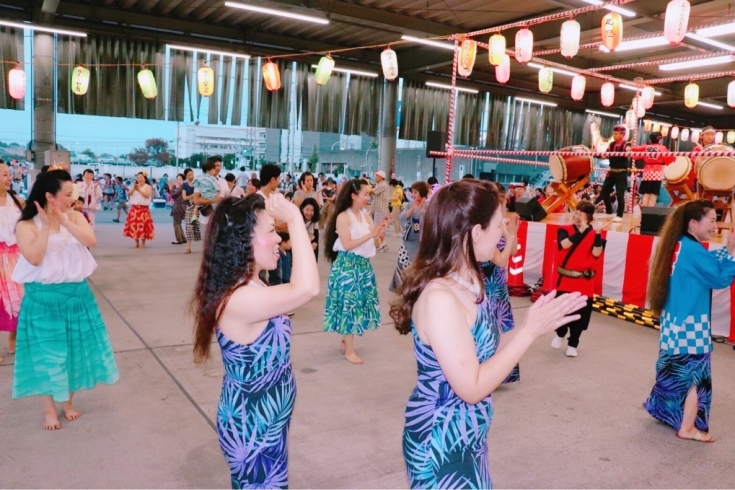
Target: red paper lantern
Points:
(17, 83)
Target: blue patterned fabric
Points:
(675, 374)
(445, 438)
(255, 407)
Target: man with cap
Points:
(381, 198)
(617, 177)
(653, 170)
(706, 139)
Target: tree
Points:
(139, 156)
(229, 161)
(89, 153)
(314, 158)
(155, 149)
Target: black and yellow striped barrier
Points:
(627, 312)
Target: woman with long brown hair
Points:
(461, 355)
(680, 285)
(11, 293)
(252, 327)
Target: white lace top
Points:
(66, 260)
(9, 216)
(137, 199)
(358, 229)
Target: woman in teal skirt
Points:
(62, 344)
(352, 292)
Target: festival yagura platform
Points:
(622, 271)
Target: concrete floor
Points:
(570, 423)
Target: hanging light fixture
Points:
(578, 85)
(647, 125)
(569, 38)
(719, 137)
(502, 71)
(684, 135)
(677, 20)
(647, 96)
(205, 80)
(691, 95)
(17, 83)
(79, 80)
(497, 49)
(696, 133)
(675, 132)
(147, 83)
(612, 30)
(324, 70)
(524, 45)
(545, 80)
(731, 94)
(731, 137)
(271, 76)
(389, 61)
(664, 131)
(467, 54)
(607, 94)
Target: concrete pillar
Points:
(44, 99)
(388, 128)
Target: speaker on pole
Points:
(435, 141)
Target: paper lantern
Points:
(324, 70)
(612, 30)
(569, 40)
(607, 94)
(691, 95)
(640, 111)
(731, 137)
(524, 45)
(631, 121)
(647, 125)
(731, 94)
(79, 80)
(677, 20)
(205, 81)
(719, 137)
(389, 60)
(578, 85)
(696, 133)
(647, 96)
(467, 54)
(497, 49)
(147, 83)
(675, 132)
(271, 76)
(656, 128)
(502, 71)
(684, 135)
(17, 83)
(545, 80)
(664, 131)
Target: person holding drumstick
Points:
(653, 170)
(705, 139)
(617, 177)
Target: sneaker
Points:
(116, 220)
(571, 352)
(617, 219)
(556, 343)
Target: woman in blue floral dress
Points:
(352, 291)
(460, 352)
(252, 327)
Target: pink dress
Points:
(11, 292)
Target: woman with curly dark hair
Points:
(460, 352)
(253, 330)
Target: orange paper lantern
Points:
(691, 95)
(467, 54)
(647, 125)
(79, 80)
(612, 30)
(664, 131)
(205, 81)
(497, 49)
(271, 76)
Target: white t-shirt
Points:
(242, 179)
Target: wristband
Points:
(598, 239)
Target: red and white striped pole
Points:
(450, 122)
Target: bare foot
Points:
(137, 245)
(52, 421)
(696, 435)
(1, 359)
(353, 358)
(142, 245)
(344, 346)
(70, 413)
(11, 346)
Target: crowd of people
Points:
(262, 242)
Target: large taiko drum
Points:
(678, 171)
(716, 173)
(571, 169)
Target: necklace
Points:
(471, 287)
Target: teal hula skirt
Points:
(62, 344)
(352, 296)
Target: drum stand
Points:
(723, 204)
(564, 195)
(680, 193)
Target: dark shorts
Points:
(650, 187)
